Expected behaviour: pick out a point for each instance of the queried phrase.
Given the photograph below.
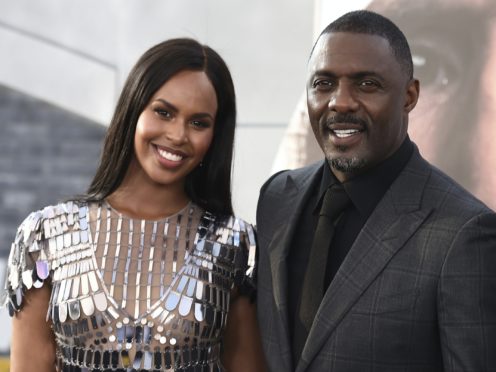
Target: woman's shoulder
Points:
(237, 232)
(230, 222)
(41, 233)
(43, 236)
(55, 210)
(51, 221)
(241, 235)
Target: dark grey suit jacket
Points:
(416, 292)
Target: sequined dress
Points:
(128, 294)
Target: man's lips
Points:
(345, 130)
(344, 133)
(345, 125)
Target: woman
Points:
(139, 274)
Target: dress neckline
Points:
(182, 211)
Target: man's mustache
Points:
(345, 118)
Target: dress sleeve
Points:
(245, 260)
(27, 266)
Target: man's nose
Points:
(342, 99)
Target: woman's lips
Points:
(168, 157)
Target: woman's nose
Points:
(176, 131)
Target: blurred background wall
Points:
(63, 64)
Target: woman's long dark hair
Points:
(209, 186)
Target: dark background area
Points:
(46, 155)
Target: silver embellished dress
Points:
(128, 294)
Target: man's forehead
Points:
(359, 48)
(351, 43)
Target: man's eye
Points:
(368, 84)
(322, 83)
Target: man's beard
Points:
(347, 165)
(344, 164)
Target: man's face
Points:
(453, 46)
(358, 100)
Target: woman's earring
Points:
(201, 164)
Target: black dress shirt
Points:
(365, 192)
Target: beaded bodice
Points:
(132, 294)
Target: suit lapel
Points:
(293, 198)
(397, 216)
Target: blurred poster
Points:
(453, 46)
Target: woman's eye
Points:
(163, 113)
(200, 124)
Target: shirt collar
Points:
(368, 188)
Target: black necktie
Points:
(333, 204)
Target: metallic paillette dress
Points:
(130, 294)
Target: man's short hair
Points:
(367, 22)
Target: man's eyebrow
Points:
(356, 75)
(366, 74)
(322, 73)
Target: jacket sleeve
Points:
(467, 298)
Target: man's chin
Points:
(347, 164)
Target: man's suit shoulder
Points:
(275, 194)
(447, 195)
(278, 181)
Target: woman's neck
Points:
(148, 200)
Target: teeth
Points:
(343, 133)
(169, 156)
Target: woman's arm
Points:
(242, 344)
(33, 341)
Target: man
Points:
(453, 43)
(407, 282)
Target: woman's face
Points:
(174, 131)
